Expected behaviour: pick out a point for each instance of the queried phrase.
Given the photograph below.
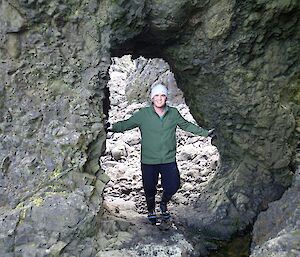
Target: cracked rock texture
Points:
(237, 63)
(277, 231)
(53, 75)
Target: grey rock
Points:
(148, 72)
(119, 151)
(277, 230)
(237, 64)
(12, 17)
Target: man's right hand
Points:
(107, 126)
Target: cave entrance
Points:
(197, 159)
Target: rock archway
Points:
(237, 63)
(230, 60)
(124, 201)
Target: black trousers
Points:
(170, 181)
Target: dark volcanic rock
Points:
(53, 74)
(237, 63)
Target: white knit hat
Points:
(159, 89)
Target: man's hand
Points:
(107, 126)
(211, 133)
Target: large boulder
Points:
(277, 231)
(149, 72)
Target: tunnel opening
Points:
(198, 161)
(217, 93)
(197, 158)
(232, 59)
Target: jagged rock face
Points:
(237, 63)
(150, 72)
(53, 74)
(277, 231)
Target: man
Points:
(158, 124)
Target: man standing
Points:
(158, 124)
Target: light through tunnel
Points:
(198, 160)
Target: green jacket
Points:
(158, 133)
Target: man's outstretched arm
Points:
(127, 124)
(190, 127)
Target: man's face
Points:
(159, 100)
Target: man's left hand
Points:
(211, 133)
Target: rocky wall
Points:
(277, 231)
(237, 63)
(54, 63)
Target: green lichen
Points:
(56, 173)
(296, 233)
(22, 215)
(20, 205)
(61, 193)
(292, 92)
(58, 87)
(296, 97)
(54, 188)
(38, 201)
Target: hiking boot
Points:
(164, 211)
(152, 217)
